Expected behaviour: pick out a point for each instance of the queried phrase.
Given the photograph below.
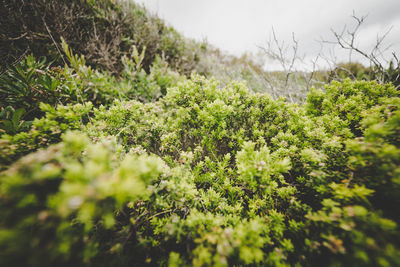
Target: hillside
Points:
(124, 143)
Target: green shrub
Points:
(77, 193)
(33, 97)
(210, 176)
(160, 169)
(10, 120)
(346, 101)
(27, 84)
(44, 131)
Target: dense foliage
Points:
(201, 176)
(150, 167)
(104, 31)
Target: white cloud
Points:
(237, 26)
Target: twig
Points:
(54, 41)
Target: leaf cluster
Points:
(207, 176)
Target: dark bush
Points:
(103, 31)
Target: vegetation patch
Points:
(141, 164)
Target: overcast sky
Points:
(237, 26)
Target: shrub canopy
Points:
(208, 176)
